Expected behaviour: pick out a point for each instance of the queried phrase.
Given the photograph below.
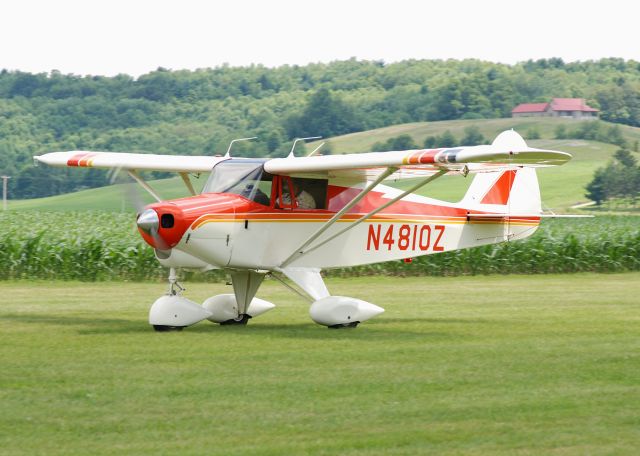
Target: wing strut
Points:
(187, 182)
(136, 177)
(300, 250)
(375, 211)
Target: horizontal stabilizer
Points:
(516, 215)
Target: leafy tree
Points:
(472, 136)
(402, 142)
(446, 140)
(625, 158)
(614, 136)
(618, 179)
(561, 132)
(325, 115)
(597, 188)
(430, 142)
(532, 133)
(273, 141)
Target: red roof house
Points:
(530, 108)
(559, 107)
(570, 105)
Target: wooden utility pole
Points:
(5, 179)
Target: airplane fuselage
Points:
(230, 231)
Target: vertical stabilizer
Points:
(511, 191)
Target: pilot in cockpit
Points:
(303, 198)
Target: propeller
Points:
(147, 220)
(149, 223)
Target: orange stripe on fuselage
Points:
(387, 218)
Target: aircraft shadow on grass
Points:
(372, 331)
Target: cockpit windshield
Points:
(246, 178)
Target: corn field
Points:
(95, 246)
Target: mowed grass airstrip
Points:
(545, 364)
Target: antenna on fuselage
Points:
(228, 154)
(300, 139)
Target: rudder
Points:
(511, 191)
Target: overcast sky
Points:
(135, 37)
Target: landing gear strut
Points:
(172, 312)
(175, 289)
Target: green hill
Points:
(490, 128)
(561, 187)
(119, 197)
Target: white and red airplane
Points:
(297, 215)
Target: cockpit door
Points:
(284, 193)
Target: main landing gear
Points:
(173, 312)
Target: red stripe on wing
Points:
(74, 161)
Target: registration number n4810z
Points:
(405, 237)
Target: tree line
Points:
(198, 112)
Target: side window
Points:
(311, 193)
(263, 192)
(299, 193)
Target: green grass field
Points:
(474, 365)
(561, 187)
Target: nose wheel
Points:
(172, 311)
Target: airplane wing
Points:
(508, 150)
(128, 161)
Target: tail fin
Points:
(510, 191)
